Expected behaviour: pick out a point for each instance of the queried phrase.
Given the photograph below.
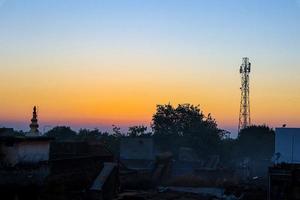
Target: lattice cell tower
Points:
(244, 118)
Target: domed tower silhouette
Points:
(34, 131)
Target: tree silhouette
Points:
(186, 125)
(61, 133)
(117, 131)
(256, 142)
(138, 131)
(90, 134)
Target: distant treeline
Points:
(184, 126)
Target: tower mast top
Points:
(34, 123)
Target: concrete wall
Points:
(287, 145)
(26, 152)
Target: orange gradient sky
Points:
(98, 63)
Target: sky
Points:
(91, 64)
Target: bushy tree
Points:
(90, 134)
(175, 121)
(61, 133)
(186, 125)
(138, 131)
(256, 142)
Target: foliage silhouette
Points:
(256, 142)
(186, 125)
(138, 131)
(61, 133)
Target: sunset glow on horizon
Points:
(97, 63)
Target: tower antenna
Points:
(244, 117)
